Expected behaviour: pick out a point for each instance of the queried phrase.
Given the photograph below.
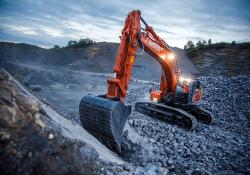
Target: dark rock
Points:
(34, 87)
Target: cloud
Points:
(20, 29)
(52, 31)
(50, 22)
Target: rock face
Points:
(231, 60)
(29, 145)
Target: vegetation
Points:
(76, 44)
(56, 47)
(191, 47)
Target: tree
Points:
(185, 47)
(204, 42)
(72, 44)
(233, 43)
(189, 45)
(81, 43)
(198, 44)
(85, 42)
(209, 42)
(56, 47)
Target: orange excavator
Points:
(104, 116)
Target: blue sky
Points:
(49, 22)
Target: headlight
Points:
(189, 80)
(182, 79)
(155, 99)
(171, 56)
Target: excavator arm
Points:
(117, 86)
(133, 37)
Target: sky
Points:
(49, 22)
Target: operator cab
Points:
(187, 91)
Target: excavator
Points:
(104, 116)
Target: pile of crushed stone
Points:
(222, 147)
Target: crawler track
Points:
(168, 114)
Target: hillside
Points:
(99, 57)
(227, 60)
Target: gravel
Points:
(220, 147)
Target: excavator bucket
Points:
(105, 119)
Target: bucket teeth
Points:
(105, 119)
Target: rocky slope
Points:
(34, 140)
(230, 60)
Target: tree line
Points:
(202, 44)
(76, 44)
(192, 47)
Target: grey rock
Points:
(34, 87)
(170, 136)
